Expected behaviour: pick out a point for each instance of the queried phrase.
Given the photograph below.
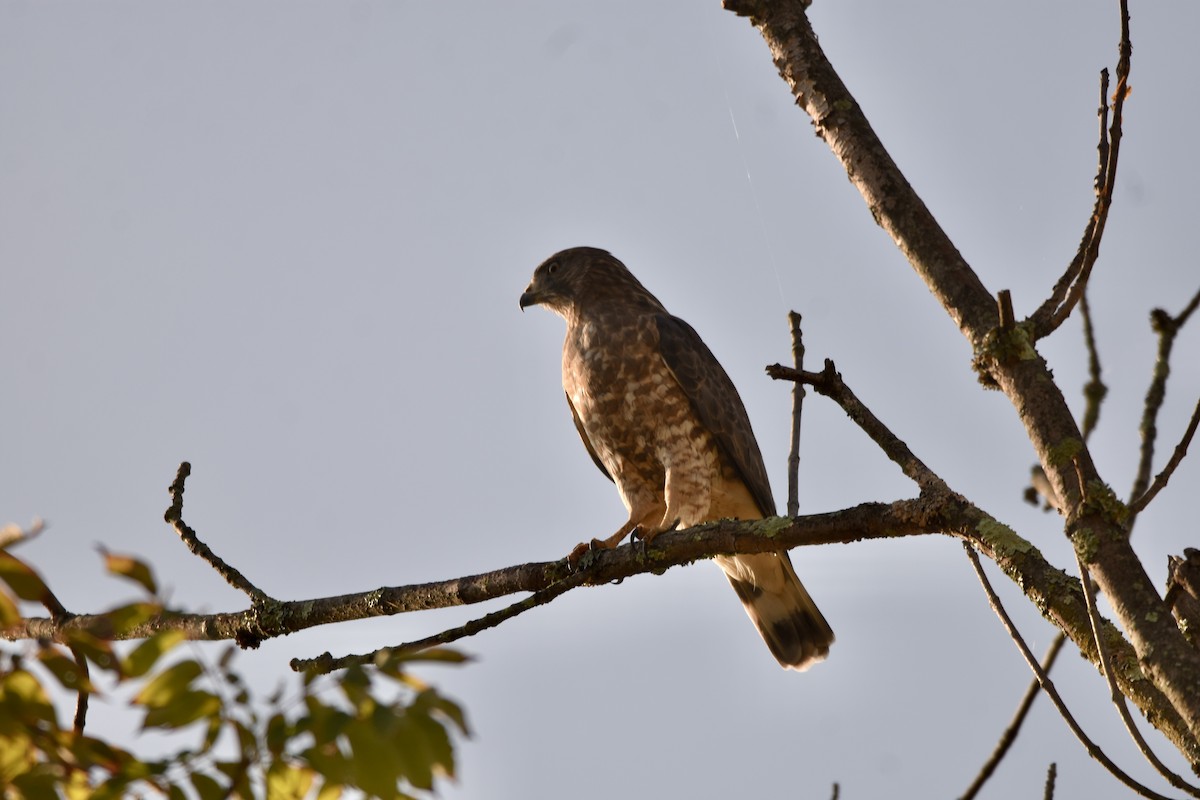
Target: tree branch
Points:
(1115, 695)
(830, 384)
(1048, 685)
(793, 506)
(174, 518)
(1167, 328)
(1014, 727)
(1071, 286)
(1006, 360)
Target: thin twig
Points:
(81, 702)
(793, 507)
(1118, 699)
(1014, 727)
(1070, 287)
(326, 662)
(1094, 391)
(830, 384)
(1048, 685)
(1167, 328)
(1051, 776)
(174, 518)
(1160, 480)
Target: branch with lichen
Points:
(1006, 356)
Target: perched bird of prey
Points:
(663, 421)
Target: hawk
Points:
(663, 421)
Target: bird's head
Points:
(587, 276)
(558, 281)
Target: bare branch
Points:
(830, 384)
(326, 662)
(174, 518)
(1167, 328)
(1007, 361)
(1014, 727)
(839, 120)
(1160, 480)
(1048, 685)
(793, 506)
(1069, 289)
(1118, 699)
(1094, 391)
(1051, 775)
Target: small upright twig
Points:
(1048, 685)
(1094, 391)
(1051, 775)
(1167, 328)
(793, 506)
(1004, 306)
(174, 518)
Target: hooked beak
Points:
(529, 297)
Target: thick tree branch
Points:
(840, 121)
(1006, 360)
(1115, 695)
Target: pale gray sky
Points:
(285, 241)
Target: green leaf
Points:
(9, 615)
(69, 674)
(183, 709)
(96, 650)
(288, 782)
(374, 760)
(129, 567)
(329, 791)
(208, 787)
(17, 754)
(23, 701)
(143, 657)
(91, 752)
(277, 734)
(168, 684)
(446, 706)
(125, 618)
(37, 784)
(20, 577)
(390, 661)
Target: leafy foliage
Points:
(381, 731)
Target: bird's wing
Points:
(716, 402)
(586, 441)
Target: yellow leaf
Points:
(131, 568)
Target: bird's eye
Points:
(552, 268)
